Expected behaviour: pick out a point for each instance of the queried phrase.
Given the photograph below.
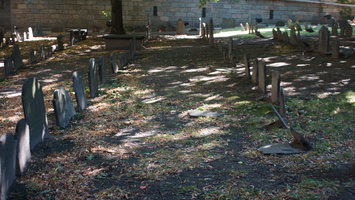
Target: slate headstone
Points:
(275, 87)
(23, 145)
(102, 71)
(285, 37)
(114, 64)
(180, 27)
(336, 49)
(279, 34)
(247, 66)
(93, 78)
(254, 76)
(8, 66)
(7, 164)
(79, 91)
(262, 75)
(17, 57)
(282, 103)
(34, 111)
(293, 38)
(60, 43)
(32, 56)
(324, 38)
(331, 22)
(63, 107)
(348, 30)
(298, 27)
(334, 30)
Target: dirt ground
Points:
(136, 140)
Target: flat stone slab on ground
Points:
(198, 113)
(279, 148)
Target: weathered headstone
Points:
(247, 66)
(7, 164)
(93, 78)
(254, 76)
(121, 61)
(275, 87)
(324, 38)
(8, 66)
(331, 22)
(293, 38)
(242, 26)
(274, 34)
(32, 56)
(79, 91)
(211, 28)
(30, 33)
(282, 103)
(262, 76)
(2, 43)
(60, 43)
(114, 64)
(289, 23)
(180, 27)
(203, 30)
(279, 34)
(336, 49)
(63, 107)
(298, 27)
(34, 111)
(42, 52)
(334, 30)
(342, 25)
(348, 30)
(102, 70)
(230, 46)
(285, 37)
(16, 57)
(23, 145)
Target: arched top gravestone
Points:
(79, 91)
(93, 78)
(23, 145)
(34, 110)
(7, 163)
(63, 107)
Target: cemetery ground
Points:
(137, 141)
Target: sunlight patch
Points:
(303, 65)
(195, 70)
(153, 100)
(279, 64)
(209, 131)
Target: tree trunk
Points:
(117, 18)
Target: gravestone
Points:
(121, 61)
(324, 38)
(293, 38)
(274, 34)
(8, 66)
(247, 66)
(334, 30)
(34, 111)
(331, 22)
(2, 44)
(16, 57)
(342, 25)
(285, 37)
(279, 35)
(203, 30)
(32, 56)
(63, 107)
(79, 91)
(248, 27)
(180, 27)
(298, 27)
(7, 164)
(23, 145)
(42, 52)
(30, 33)
(289, 23)
(230, 46)
(93, 78)
(282, 103)
(114, 64)
(275, 87)
(60, 43)
(348, 30)
(336, 49)
(242, 26)
(211, 28)
(254, 76)
(262, 75)
(102, 71)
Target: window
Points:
(155, 11)
(271, 14)
(203, 12)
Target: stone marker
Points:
(63, 107)
(180, 27)
(198, 113)
(336, 49)
(262, 76)
(282, 103)
(32, 56)
(30, 33)
(279, 148)
(275, 87)
(102, 71)
(93, 78)
(285, 37)
(42, 52)
(16, 57)
(211, 28)
(114, 64)
(334, 30)
(2, 38)
(342, 25)
(254, 76)
(34, 111)
(230, 46)
(293, 37)
(60, 43)
(121, 61)
(298, 27)
(324, 38)
(348, 30)
(23, 145)
(79, 91)
(7, 164)
(274, 34)
(279, 35)
(8, 66)
(247, 67)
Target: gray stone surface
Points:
(63, 107)
(336, 49)
(230, 46)
(211, 28)
(7, 164)
(102, 71)
(293, 37)
(262, 76)
(180, 27)
(23, 145)
(93, 78)
(246, 66)
(275, 87)
(60, 43)
(78, 87)
(198, 113)
(279, 148)
(114, 63)
(42, 52)
(282, 110)
(8, 66)
(255, 74)
(34, 110)
(324, 38)
(17, 57)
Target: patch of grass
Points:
(189, 189)
(314, 189)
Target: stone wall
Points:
(88, 13)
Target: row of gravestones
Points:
(15, 149)
(16, 36)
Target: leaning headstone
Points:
(324, 38)
(34, 111)
(285, 37)
(8, 66)
(79, 91)
(180, 27)
(275, 87)
(42, 52)
(23, 145)
(282, 103)
(16, 57)
(262, 75)
(102, 70)
(348, 30)
(336, 49)
(114, 64)
(60, 43)
(93, 78)
(32, 56)
(254, 76)
(247, 66)
(7, 164)
(293, 38)
(63, 107)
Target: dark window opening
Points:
(203, 12)
(271, 14)
(155, 11)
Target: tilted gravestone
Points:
(8, 66)
(121, 61)
(32, 56)
(279, 35)
(336, 49)
(102, 71)
(60, 43)
(285, 37)
(7, 164)
(114, 64)
(254, 76)
(246, 66)
(23, 145)
(79, 91)
(275, 87)
(34, 111)
(16, 57)
(93, 78)
(324, 38)
(63, 107)
(262, 76)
